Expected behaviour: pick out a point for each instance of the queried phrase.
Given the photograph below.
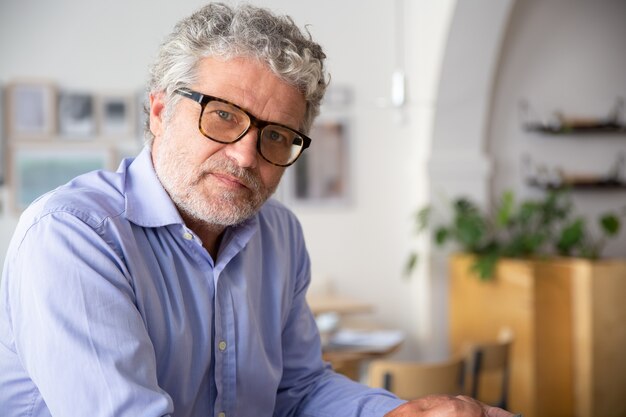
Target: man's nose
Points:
(244, 151)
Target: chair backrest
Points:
(410, 380)
(489, 363)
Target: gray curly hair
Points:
(218, 30)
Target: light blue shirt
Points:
(110, 306)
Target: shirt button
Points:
(188, 236)
(222, 346)
(221, 415)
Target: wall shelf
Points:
(567, 126)
(606, 184)
(562, 124)
(602, 128)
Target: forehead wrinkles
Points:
(281, 106)
(276, 113)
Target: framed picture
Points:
(116, 115)
(77, 119)
(36, 171)
(30, 110)
(321, 175)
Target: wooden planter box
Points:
(569, 321)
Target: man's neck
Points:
(209, 234)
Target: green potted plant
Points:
(517, 229)
(531, 266)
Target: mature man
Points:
(174, 286)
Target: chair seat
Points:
(410, 380)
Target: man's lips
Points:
(230, 180)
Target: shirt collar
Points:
(147, 202)
(149, 205)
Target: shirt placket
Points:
(219, 346)
(224, 348)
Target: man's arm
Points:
(309, 387)
(76, 330)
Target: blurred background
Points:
(429, 100)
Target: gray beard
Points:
(226, 209)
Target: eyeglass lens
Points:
(226, 123)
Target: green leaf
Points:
(470, 231)
(441, 235)
(485, 266)
(410, 264)
(463, 205)
(571, 236)
(505, 211)
(610, 224)
(524, 244)
(423, 218)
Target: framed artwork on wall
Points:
(116, 114)
(37, 170)
(321, 175)
(77, 118)
(31, 110)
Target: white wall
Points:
(568, 56)
(362, 246)
(458, 163)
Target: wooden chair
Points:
(488, 370)
(410, 380)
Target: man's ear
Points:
(157, 107)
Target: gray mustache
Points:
(244, 175)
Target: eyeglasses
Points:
(224, 122)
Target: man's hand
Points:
(447, 406)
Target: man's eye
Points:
(276, 136)
(224, 115)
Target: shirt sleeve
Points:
(309, 388)
(77, 331)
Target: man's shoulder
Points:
(92, 197)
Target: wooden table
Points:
(330, 303)
(347, 360)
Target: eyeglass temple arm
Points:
(197, 97)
